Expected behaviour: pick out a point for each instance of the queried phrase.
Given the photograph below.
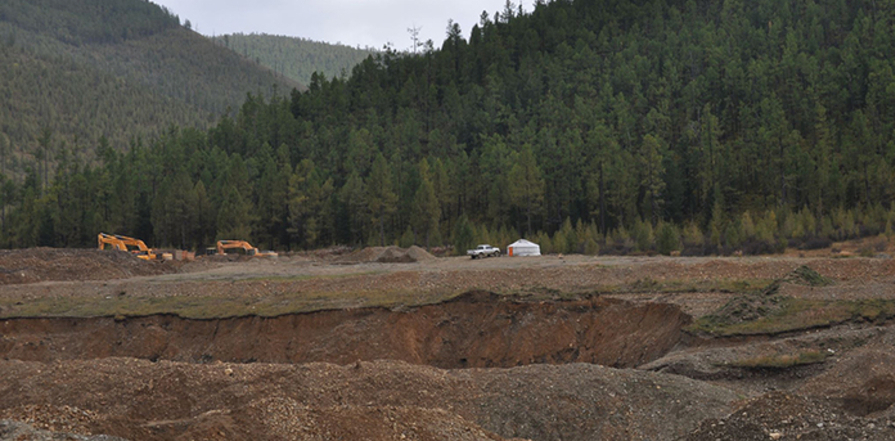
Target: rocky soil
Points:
(570, 348)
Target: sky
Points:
(363, 23)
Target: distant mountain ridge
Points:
(76, 71)
(296, 58)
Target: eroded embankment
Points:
(474, 330)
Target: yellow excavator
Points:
(247, 248)
(131, 245)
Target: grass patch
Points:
(789, 314)
(649, 285)
(301, 278)
(782, 361)
(764, 311)
(643, 286)
(689, 286)
(210, 307)
(807, 276)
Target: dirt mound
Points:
(419, 254)
(394, 255)
(382, 400)
(57, 264)
(475, 330)
(390, 254)
(402, 255)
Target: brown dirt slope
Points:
(474, 330)
(864, 381)
(850, 395)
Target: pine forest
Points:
(612, 126)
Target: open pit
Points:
(473, 330)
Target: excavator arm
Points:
(133, 245)
(114, 242)
(224, 245)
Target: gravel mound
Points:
(420, 255)
(381, 400)
(390, 254)
(46, 417)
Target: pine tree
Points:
(653, 185)
(381, 199)
(234, 216)
(353, 209)
(425, 205)
(526, 185)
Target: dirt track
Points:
(425, 350)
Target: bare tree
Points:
(414, 32)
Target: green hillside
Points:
(295, 58)
(77, 70)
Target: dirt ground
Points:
(386, 344)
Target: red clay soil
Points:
(474, 330)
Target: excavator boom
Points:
(225, 244)
(133, 245)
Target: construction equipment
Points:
(131, 245)
(248, 249)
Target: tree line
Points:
(588, 126)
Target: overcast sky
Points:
(364, 23)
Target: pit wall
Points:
(474, 330)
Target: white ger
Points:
(523, 247)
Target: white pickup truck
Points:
(483, 251)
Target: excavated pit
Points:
(474, 330)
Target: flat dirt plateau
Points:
(390, 344)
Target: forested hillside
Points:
(295, 58)
(608, 126)
(75, 71)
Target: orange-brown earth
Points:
(344, 347)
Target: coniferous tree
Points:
(426, 211)
(381, 199)
(526, 186)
